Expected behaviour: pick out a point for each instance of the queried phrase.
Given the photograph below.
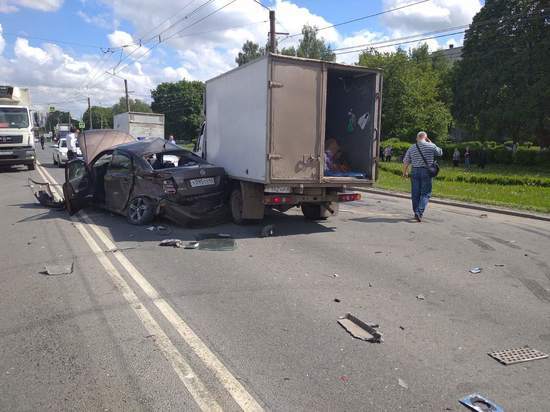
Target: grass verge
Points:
(525, 197)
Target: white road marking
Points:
(224, 376)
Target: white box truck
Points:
(293, 132)
(140, 125)
(16, 128)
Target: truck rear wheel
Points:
(236, 205)
(313, 211)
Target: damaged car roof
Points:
(149, 146)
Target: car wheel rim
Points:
(137, 209)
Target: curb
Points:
(456, 203)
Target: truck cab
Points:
(16, 129)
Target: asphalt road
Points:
(136, 326)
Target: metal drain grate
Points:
(511, 356)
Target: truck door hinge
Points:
(274, 85)
(274, 156)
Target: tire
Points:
(31, 166)
(140, 211)
(236, 206)
(314, 211)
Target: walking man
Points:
(420, 155)
(71, 144)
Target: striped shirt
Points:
(429, 150)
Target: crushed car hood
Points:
(93, 142)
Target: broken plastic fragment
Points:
(216, 241)
(172, 242)
(361, 330)
(420, 297)
(475, 270)
(191, 245)
(402, 383)
(479, 403)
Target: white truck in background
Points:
(293, 132)
(140, 125)
(16, 128)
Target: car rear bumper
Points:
(194, 208)
(17, 156)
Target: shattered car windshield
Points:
(166, 160)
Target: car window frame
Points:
(124, 172)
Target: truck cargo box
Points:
(269, 121)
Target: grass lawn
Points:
(529, 197)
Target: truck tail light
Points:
(349, 197)
(279, 200)
(169, 187)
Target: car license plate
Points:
(206, 181)
(277, 189)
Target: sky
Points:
(62, 49)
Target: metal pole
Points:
(272, 44)
(90, 114)
(126, 91)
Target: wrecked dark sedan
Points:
(143, 179)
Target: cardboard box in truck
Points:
(16, 128)
(293, 132)
(140, 125)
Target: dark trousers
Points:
(71, 155)
(421, 189)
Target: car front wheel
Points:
(140, 211)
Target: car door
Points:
(77, 188)
(118, 181)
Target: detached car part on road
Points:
(142, 179)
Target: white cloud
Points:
(171, 74)
(120, 38)
(2, 41)
(429, 16)
(31, 54)
(10, 6)
(102, 20)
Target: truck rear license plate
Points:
(206, 181)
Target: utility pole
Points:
(126, 91)
(90, 114)
(272, 45)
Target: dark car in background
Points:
(143, 179)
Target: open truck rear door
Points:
(77, 188)
(297, 123)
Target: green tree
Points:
(181, 103)
(311, 47)
(502, 87)
(250, 51)
(414, 93)
(136, 105)
(102, 118)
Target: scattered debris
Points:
(160, 230)
(479, 403)
(499, 265)
(286, 379)
(420, 297)
(56, 270)
(335, 275)
(378, 252)
(361, 330)
(483, 215)
(511, 356)
(216, 241)
(337, 300)
(268, 231)
(370, 285)
(192, 245)
(476, 270)
(172, 242)
(42, 191)
(402, 383)
(401, 327)
(344, 378)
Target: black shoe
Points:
(418, 217)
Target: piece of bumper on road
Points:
(17, 156)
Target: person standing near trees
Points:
(467, 158)
(456, 157)
(421, 157)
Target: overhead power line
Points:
(57, 41)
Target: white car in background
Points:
(60, 152)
